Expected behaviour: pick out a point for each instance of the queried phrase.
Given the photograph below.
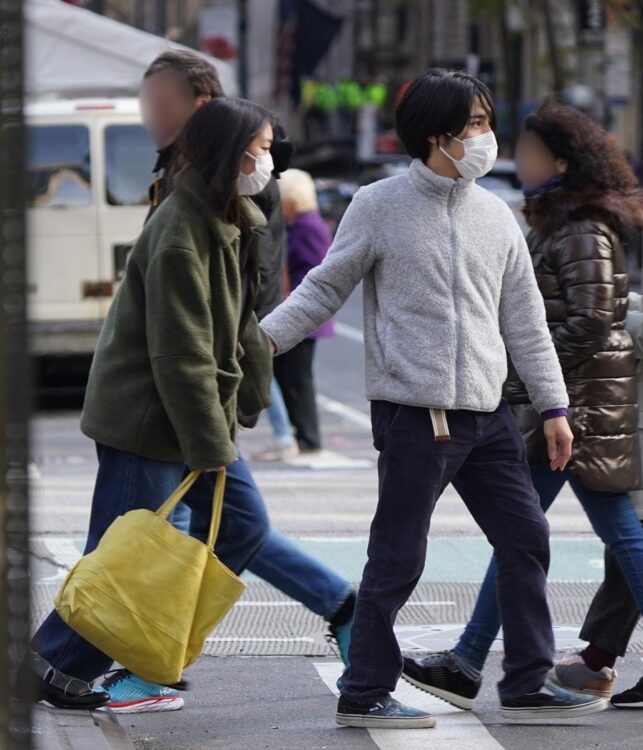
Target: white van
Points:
(89, 167)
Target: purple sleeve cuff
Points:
(553, 413)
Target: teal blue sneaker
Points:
(132, 695)
(388, 714)
(341, 635)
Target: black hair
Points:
(438, 103)
(214, 141)
(282, 151)
(199, 74)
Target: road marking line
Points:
(326, 459)
(349, 332)
(239, 639)
(455, 728)
(343, 410)
(268, 604)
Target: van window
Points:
(129, 159)
(58, 166)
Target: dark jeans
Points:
(124, 482)
(614, 521)
(613, 613)
(294, 373)
(485, 461)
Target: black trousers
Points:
(485, 460)
(613, 614)
(294, 373)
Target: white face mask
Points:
(480, 154)
(255, 182)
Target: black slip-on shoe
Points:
(63, 691)
(632, 698)
(440, 676)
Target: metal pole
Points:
(15, 715)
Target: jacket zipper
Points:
(458, 336)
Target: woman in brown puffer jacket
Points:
(579, 219)
(582, 200)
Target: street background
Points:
(333, 70)
(261, 682)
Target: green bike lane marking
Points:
(453, 559)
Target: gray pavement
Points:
(266, 675)
(277, 703)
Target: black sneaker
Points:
(389, 714)
(552, 702)
(440, 675)
(632, 698)
(62, 691)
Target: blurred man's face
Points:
(167, 103)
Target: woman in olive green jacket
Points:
(179, 353)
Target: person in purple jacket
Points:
(308, 242)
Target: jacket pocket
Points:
(391, 360)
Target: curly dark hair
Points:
(598, 178)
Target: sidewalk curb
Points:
(55, 729)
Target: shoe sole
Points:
(148, 706)
(636, 706)
(60, 705)
(586, 709)
(453, 699)
(371, 722)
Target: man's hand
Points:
(559, 442)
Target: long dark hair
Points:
(598, 182)
(214, 141)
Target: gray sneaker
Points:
(389, 714)
(552, 702)
(573, 674)
(279, 452)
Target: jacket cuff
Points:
(225, 456)
(553, 413)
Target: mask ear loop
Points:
(446, 153)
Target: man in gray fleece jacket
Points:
(448, 284)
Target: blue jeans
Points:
(278, 560)
(180, 518)
(126, 481)
(278, 416)
(613, 519)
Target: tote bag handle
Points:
(217, 501)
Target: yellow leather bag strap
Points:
(217, 508)
(217, 501)
(179, 493)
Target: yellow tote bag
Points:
(148, 596)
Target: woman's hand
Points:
(559, 442)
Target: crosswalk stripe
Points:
(345, 411)
(455, 728)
